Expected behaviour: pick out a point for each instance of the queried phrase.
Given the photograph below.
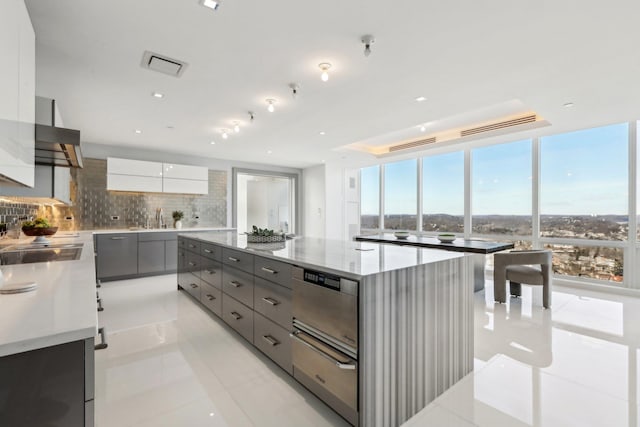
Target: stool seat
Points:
(531, 267)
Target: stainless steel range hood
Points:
(55, 146)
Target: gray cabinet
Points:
(170, 258)
(48, 386)
(151, 257)
(117, 255)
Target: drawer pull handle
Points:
(339, 364)
(210, 272)
(118, 238)
(270, 301)
(193, 285)
(271, 340)
(235, 284)
(192, 246)
(268, 270)
(236, 315)
(208, 251)
(210, 297)
(192, 264)
(233, 259)
(319, 378)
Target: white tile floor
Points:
(169, 363)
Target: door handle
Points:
(271, 340)
(235, 284)
(268, 270)
(339, 364)
(118, 238)
(193, 285)
(236, 315)
(210, 297)
(192, 264)
(208, 251)
(270, 301)
(210, 272)
(233, 259)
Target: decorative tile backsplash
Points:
(94, 207)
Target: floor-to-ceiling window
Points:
(501, 189)
(584, 195)
(401, 195)
(443, 193)
(567, 192)
(370, 198)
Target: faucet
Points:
(159, 218)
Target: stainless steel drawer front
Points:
(274, 271)
(238, 316)
(273, 301)
(211, 298)
(238, 259)
(238, 284)
(332, 312)
(333, 371)
(211, 272)
(273, 340)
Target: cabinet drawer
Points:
(238, 284)
(194, 263)
(150, 236)
(275, 271)
(237, 259)
(273, 301)
(192, 245)
(211, 251)
(211, 272)
(211, 298)
(238, 316)
(273, 340)
(192, 285)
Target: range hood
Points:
(55, 146)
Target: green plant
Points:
(177, 215)
(37, 223)
(264, 232)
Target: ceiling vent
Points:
(413, 144)
(163, 64)
(499, 125)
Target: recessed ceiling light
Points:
(211, 4)
(269, 152)
(236, 127)
(322, 132)
(158, 95)
(568, 104)
(325, 71)
(138, 131)
(213, 143)
(421, 99)
(423, 128)
(270, 104)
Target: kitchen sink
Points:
(32, 253)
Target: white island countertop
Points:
(344, 257)
(62, 308)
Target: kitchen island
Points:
(47, 340)
(412, 331)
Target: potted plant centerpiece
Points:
(39, 228)
(177, 219)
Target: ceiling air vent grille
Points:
(163, 64)
(412, 144)
(499, 125)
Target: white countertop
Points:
(155, 230)
(62, 309)
(347, 258)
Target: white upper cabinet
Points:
(17, 89)
(133, 167)
(197, 173)
(143, 176)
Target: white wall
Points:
(313, 211)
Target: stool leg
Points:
(546, 296)
(516, 288)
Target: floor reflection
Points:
(573, 365)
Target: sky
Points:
(581, 173)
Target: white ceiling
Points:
(464, 56)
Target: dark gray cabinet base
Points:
(52, 386)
